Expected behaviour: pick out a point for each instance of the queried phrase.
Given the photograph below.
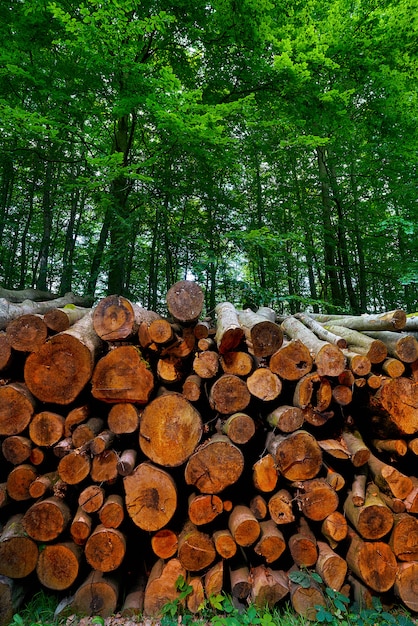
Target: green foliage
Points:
(39, 611)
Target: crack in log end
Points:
(302, 365)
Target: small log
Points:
(164, 543)
(303, 546)
(46, 483)
(133, 604)
(405, 585)
(225, 544)
(317, 499)
(46, 519)
(243, 525)
(27, 333)
(334, 528)
(98, 595)
(161, 331)
(46, 428)
(74, 467)
(258, 507)
(334, 478)
(91, 498)
(373, 562)
(19, 480)
(161, 585)
(112, 512)
(18, 552)
(11, 598)
(80, 527)
(240, 581)
(68, 555)
(393, 367)
(404, 537)
(6, 356)
(264, 385)
(84, 433)
(202, 329)
(389, 479)
(122, 375)
(265, 474)
(16, 449)
(37, 456)
(170, 369)
(170, 430)
(17, 406)
(399, 345)
(215, 465)
(196, 598)
(236, 362)
(359, 364)
(313, 391)
(331, 567)
(185, 301)
(229, 394)
(150, 496)
(213, 579)
(286, 418)
(61, 319)
(114, 318)
(204, 508)
(105, 548)
(292, 361)
(305, 600)
(123, 418)
(206, 343)
(360, 453)
(229, 332)
(239, 427)
(206, 364)
(320, 331)
(328, 358)
(411, 500)
(297, 455)
(281, 508)
(101, 442)
(337, 448)
(399, 447)
(76, 416)
(268, 586)
(196, 550)
(263, 336)
(374, 349)
(126, 462)
(373, 520)
(192, 387)
(358, 489)
(271, 543)
(342, 395)
(62, 367)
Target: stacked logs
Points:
(138, 448)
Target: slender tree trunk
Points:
(96, 263)
(43, 259)
(330, 244)
(361, 273)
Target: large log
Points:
(12, 596)
(161, 585)
(18, 552)
(68, 555)
(397, 401)
(122, 375)
(185, 301)
(17, 406)
(63, 366)
(373, 562)
(97, 595)
(215, 465)
(392, 320)
(150, 496)
(297, 455)
(170, 429)
(26, 333)
(229, 332)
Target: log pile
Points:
(137, 448)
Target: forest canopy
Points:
(266, 148)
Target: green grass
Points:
(219, 610)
